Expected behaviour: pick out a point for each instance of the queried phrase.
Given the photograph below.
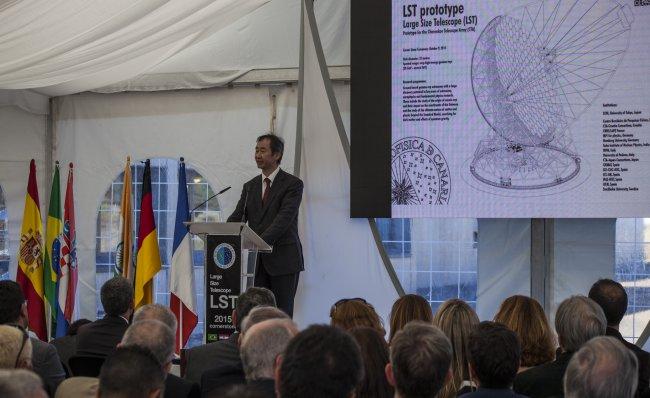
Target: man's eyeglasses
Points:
(22, 346)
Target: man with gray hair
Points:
(602, 368)
(159, 339)
(21, 383)
(260, 347)
(578, 319)
(157, 312)
(420, 359)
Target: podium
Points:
(230, 254)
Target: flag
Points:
(67, 263)
(148, 257)
(124, 252)
(54, 227)
(182, 298)
(29, 274)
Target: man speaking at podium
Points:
(270, 202)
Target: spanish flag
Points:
(30, 261)
(148, 258)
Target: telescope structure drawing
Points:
(534, 72)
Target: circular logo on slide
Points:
(224, 256)
(420, 175)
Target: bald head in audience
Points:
(262, 344)
(156, 312)
(21, 383)
(131, 372)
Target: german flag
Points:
(30, 261)
(148, 258)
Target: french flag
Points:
(181, 282)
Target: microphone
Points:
(210, 198)
(243, 214)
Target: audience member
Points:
(45, 360)
(100, 338)
(375, 355)
(602, 368)
(78, 387)
(320, 362)
(457, 320)
(420, 359)
(525, 316)
(578, 319)
(411, 307)
(260, 347)
(226, 352)
(612, 298)
(21, 383)
(159, 338)
(238, 391)
(66, 346)
(156, 312)
(132, 372)
(355, 312)
(224, 375)
(15, 348)
(494, 354)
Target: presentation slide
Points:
(520, 108)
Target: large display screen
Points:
(519, 108)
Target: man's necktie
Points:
(267, 188)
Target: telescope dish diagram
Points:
(534, 72)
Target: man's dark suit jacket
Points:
(201, 358)
(221, 378)
(66, 346)
(643, 358)
(177, 387)
(265, 387)
(544, 380)
(276, 222)
(492, 393)
(46, 363)
(100, 338)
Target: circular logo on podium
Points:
(224, 256)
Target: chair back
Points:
(89, 366)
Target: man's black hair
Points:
(251, 298)
(494, 353)
(320, 362)
(275, 142)
(11, 300)
(612, 298)
(117, 296)
(130, 371)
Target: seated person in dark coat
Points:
(612, 298)
(100, 338)
(133, 372)
(494, 355)
(578, 319)
(66, 346)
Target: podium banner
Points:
(222, 285)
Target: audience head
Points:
(578, 319)
(74, 327)
(456, 319)
(420, 358)
(262, 344)
(411, 307)
(251, 298)
(261, 313)
(494, 355)
(156, 312)
(612, 298)
(21, 383)
(375, 355)
(155, 336)
(13, 308)
(602, 368)
(525, 316)
(356, 312)
(117, 297)
(15, 348)
(131, 372)
(320, 362)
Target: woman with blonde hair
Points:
(349, 313)
(410, 307)
(525, 316)
(457, 320)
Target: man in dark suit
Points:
(612, 298)
(578, 319)
(45, 360)
(270, 202)
(225, 353)
(100, 338)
